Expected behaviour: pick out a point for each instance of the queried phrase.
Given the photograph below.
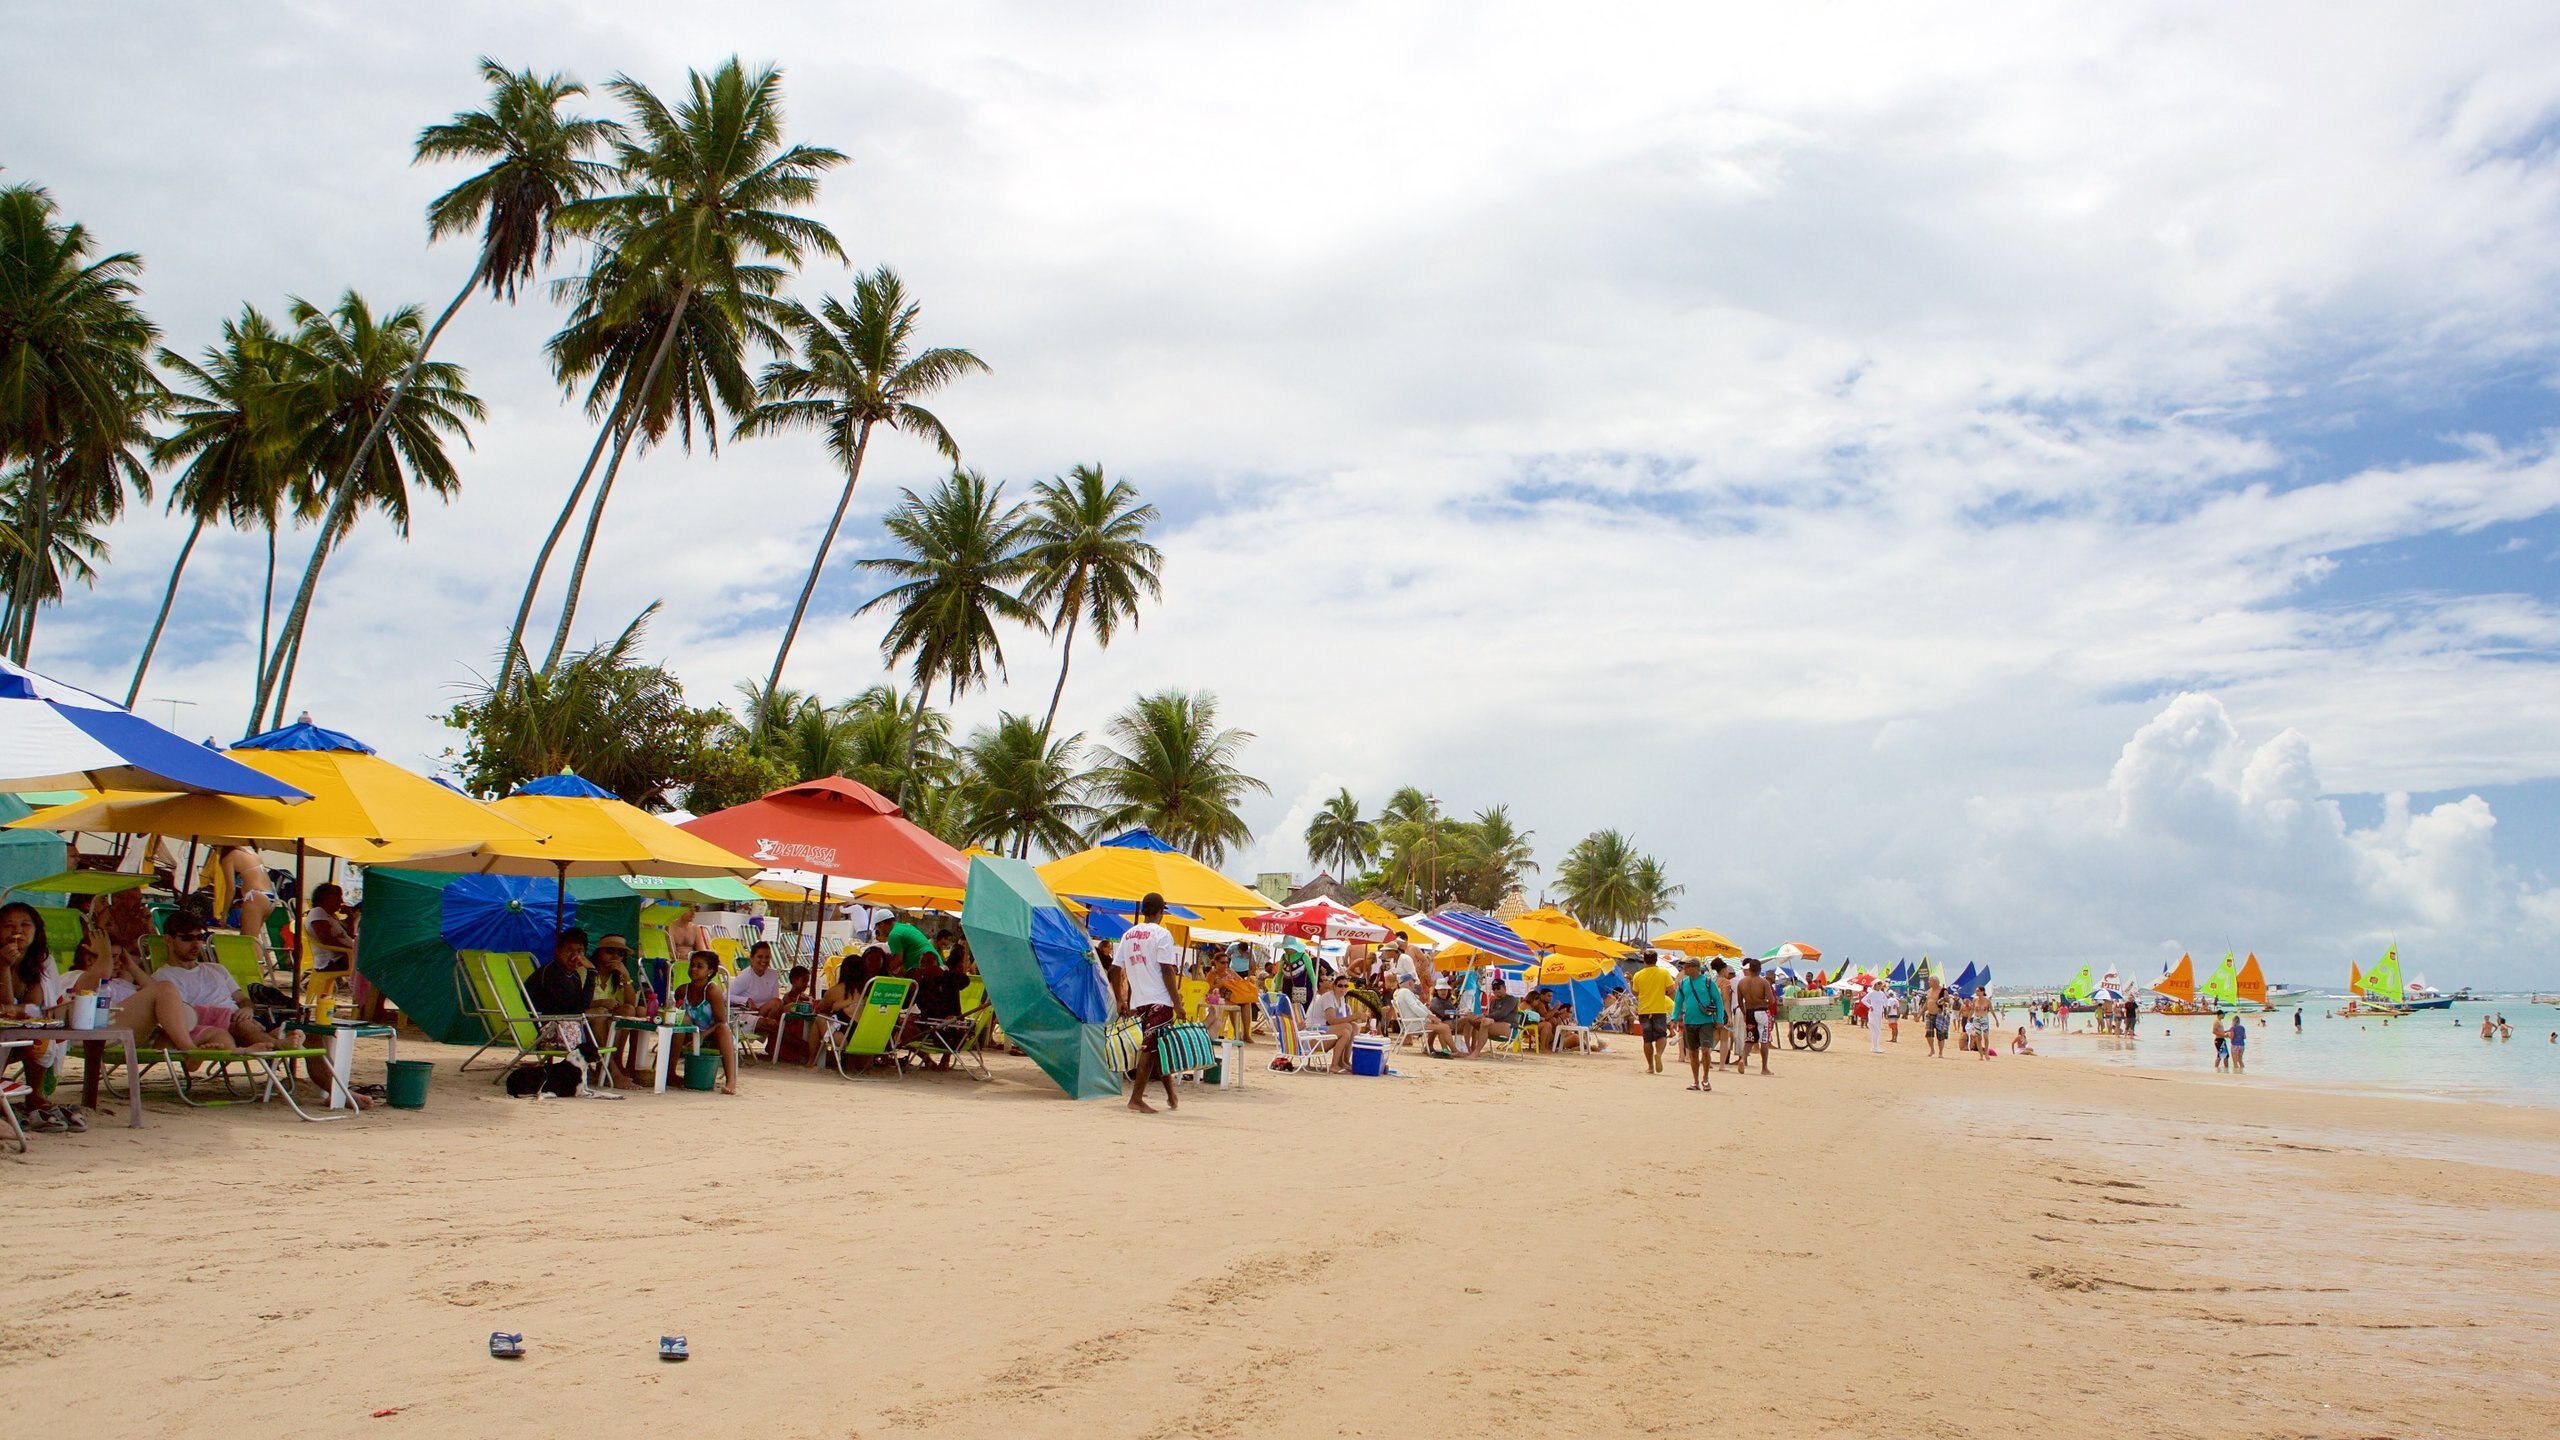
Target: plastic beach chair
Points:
(493, 991)
(875, 1027)
(1293, 1043)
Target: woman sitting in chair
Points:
(843, 1001)
(706, 1004)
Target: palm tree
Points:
(1598, 878)
(763, 718)
(1652, 892)
(349, 374)
(1338, 839)
(73, 547)
(1022, 788)
(710, 190)
(855, 369)
(1493, 856)
(614, 337)
(1411, 844)
(899, 749)
(229, 436)
(536, 165)
(1091, 561)
(75, 388)
(958, 578)
(1173, 770)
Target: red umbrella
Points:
(835, 827)
(1317, 919)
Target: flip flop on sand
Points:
(672, 1347)
(503, 1346)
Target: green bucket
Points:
(701, 1072)
(408, 1083)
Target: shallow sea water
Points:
(2433, 1054)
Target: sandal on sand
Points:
(672, 1347)
(71, 1119)
(46, 1121)
(503, 1346)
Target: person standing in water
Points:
(2239, 1044)
(2221, 1043)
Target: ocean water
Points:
(2433, 1054)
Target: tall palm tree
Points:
(1174, 771)
(763, 718)
(1494, 855)
(854, 369)
(613, 340)
(75, 386)
(1022, 788)
(1651, 894)
(533, 165)
(73, 545)
(958, 578)
(1598, 878)
(709, 189)
(1338, 839)
(1091, 561)
(234, 448)
(350, 372)
(898, 749)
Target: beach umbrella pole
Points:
(302, 906)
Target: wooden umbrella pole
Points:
(302, 901)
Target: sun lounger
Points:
(875, 1026)
(493, 991)
(274, 1084)
(1294, 1044)
(963, 1038)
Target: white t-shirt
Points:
(1410, 1010)
(755, 991)
(1322, 1012)
(206, 985)
(1142, 953)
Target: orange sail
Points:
(2253, 981)
(2180, 983)
(2355, 979)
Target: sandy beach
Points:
(1558, 1246)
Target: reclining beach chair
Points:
(875, 1028)
(962, 1039)
(493, 992)
(11, 1093)
(1293, 1043)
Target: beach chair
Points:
(1584, 998)
(238, 957)
(493, 992)
(11, 1093)
(875, 1028)
(1293, 1043)
(271, 1069)
(726, 947)
(62, 931)
(962, 1039)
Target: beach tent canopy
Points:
(1041, 976)
(360, 806)
(407, 942)
(694, 889)
(1554, 931)
(56, 737)
(1131, 866)
(838, 828)
(1705, 944)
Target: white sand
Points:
(1556, 1246)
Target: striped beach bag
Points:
(1120, 1042)
(1183, 1048)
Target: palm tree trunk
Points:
(586, 549)
(915, 732)
(168, 597)
(791, 632)
(284, 687)
(287, 643)
(1066, 657)
(340, 502)
(605, 434)
(31, 575)
(266, 618)
(639, 411)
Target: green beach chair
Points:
(61, 933)
(493, 992)
(963, 1039)
(875, 1029)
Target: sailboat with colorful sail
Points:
(2079, 993)
(2221, 989)
(2177, 989)
(2377, 991)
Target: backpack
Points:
(558, 1077)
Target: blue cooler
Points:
(1369, 1055)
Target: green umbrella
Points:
(1041, 976)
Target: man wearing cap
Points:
(1698, 1003)
(222, 1020)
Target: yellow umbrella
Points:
(1559, 968)
(361, 808)
(1553, 930)
(581, 829)
(1138, 864)
(1705, 944)
(898, 895)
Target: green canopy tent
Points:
(1040, 974)
(401, 946)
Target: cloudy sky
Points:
(2031, 485)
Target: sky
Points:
(2035, 485)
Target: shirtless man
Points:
(256, 890)
(1758, 1000)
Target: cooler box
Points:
(1369, 1055)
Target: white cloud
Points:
(1763, 430)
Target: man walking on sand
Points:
(1652, 986)
(1759, 1001)
(1728, 1033)
(1148, 964)
(1699, 1005)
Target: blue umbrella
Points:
(566, 786)
(1139, 839)
(509, 914)
(1485, 933)
(55, 737)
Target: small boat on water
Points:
(2280, 997)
